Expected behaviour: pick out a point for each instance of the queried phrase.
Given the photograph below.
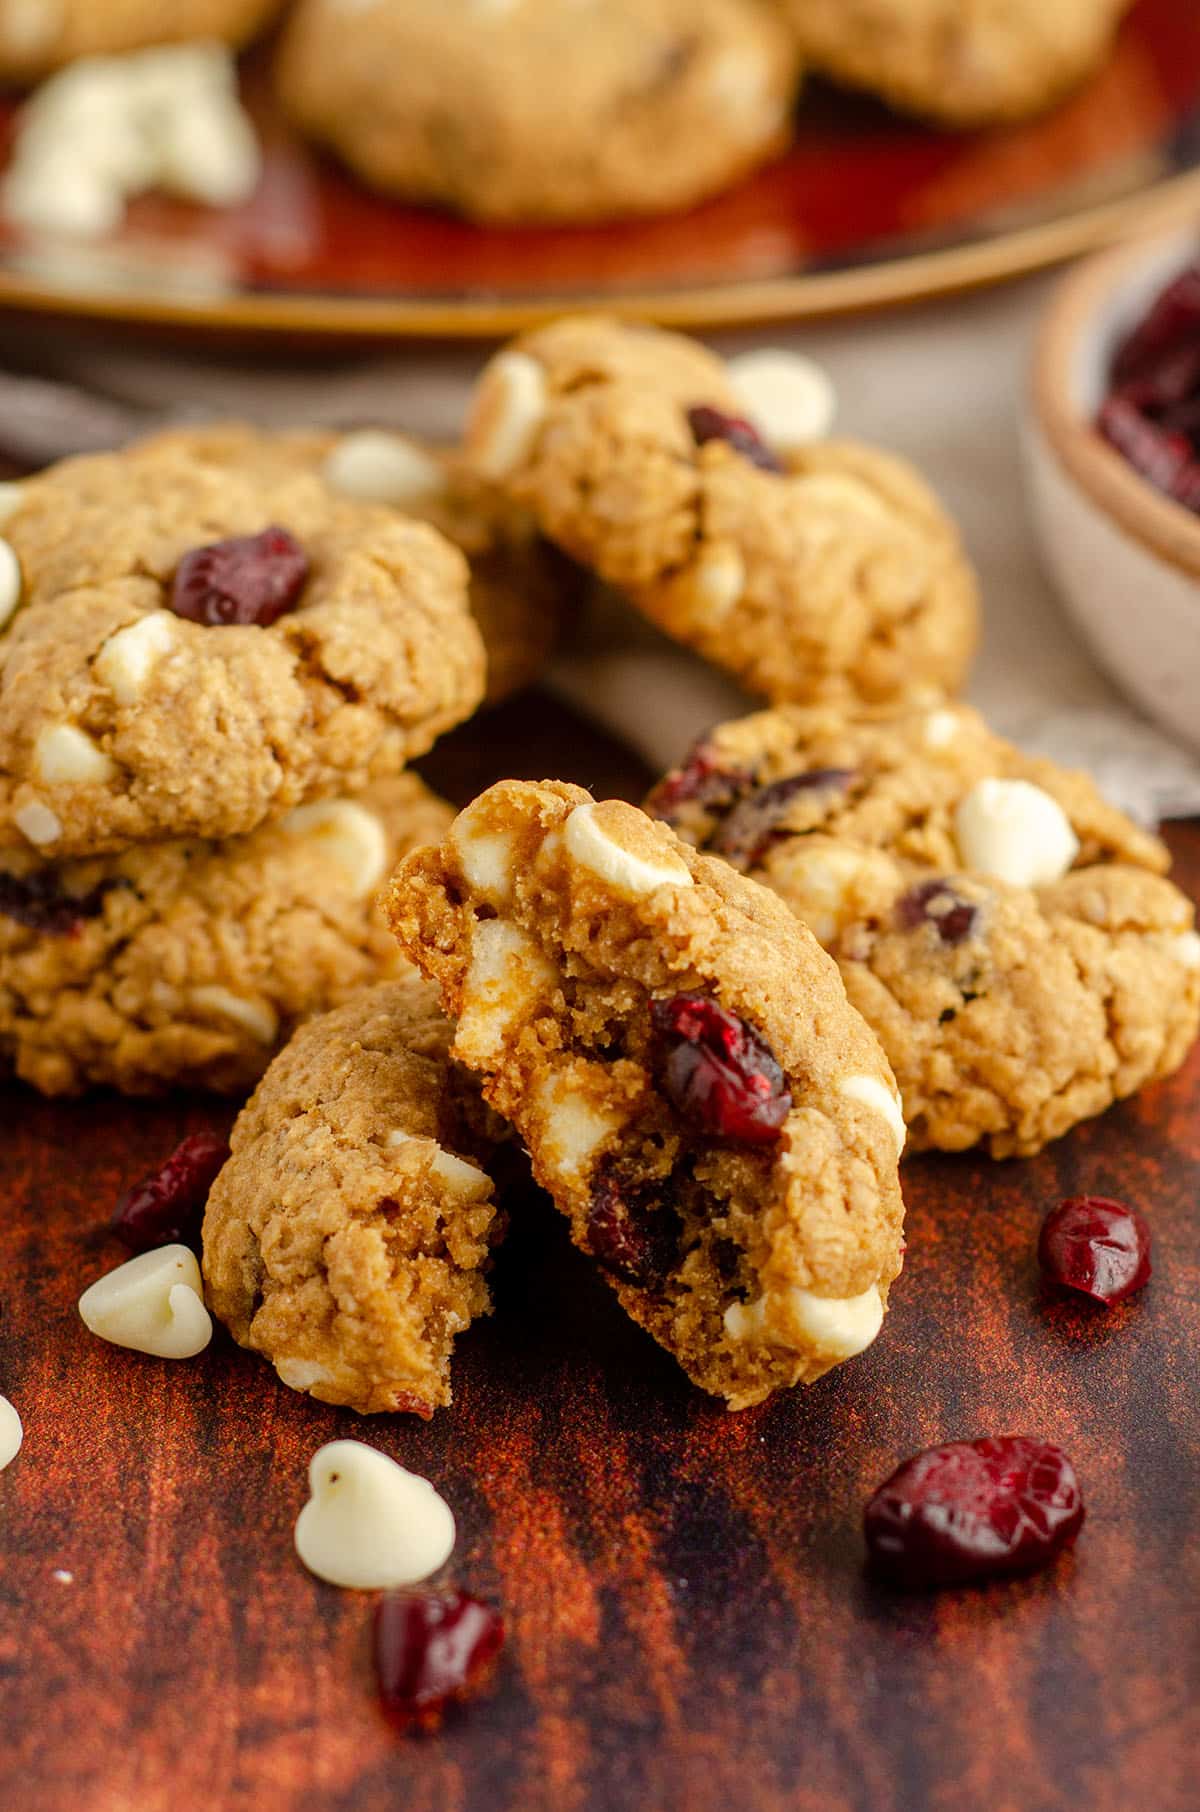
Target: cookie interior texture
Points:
(837, 574)
(551, 968)
(348, 1235)
(188, 964)
(1008, 1012)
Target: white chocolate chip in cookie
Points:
(572, 1130)
(65, 755)
(624, 848)
(301, 1374)
(505, 980)
(716, 584)
(790, 399)
(10, 579)
(153, 1304)
(369, 1524)
(38, 824)
(1185, 948)
(374, 466)
(835, 1327)
(256, 1016)
(875, 1094)
(466, 1182)
(352, 837)
(12, 496)
(11, 1433)
(485, 856)
(128, 658)
(509, 408)
(1015, 832)
(940, 729)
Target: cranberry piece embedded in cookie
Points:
(713, 424)
(937, 903)
(745, 834)
(37, 902)
(1096, 1246)
(973, 1510)
(701, 780)
(432, 1649)
(165, 1208)
(718, 1072)
(630, 1231)
(248, 579)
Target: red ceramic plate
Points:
(866, 209)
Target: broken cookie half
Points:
(719, 1126)
(348, 1236)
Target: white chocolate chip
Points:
(790, 399)
(1015, 832)
(153, 1304)
(256, 1016)
(507, 976)
(10, 578)
(377, 467)
(836, 1327)
(12, 496)
(368, 1523)
(65, 755)
(941, 729)
(875, 1094)
(510, 406)
(11, 1433)
(463, 1181)
(485, 856)
(301, 1374)
(716, 584)
(128, 658)
(351, 837)
(207, 152)
(572, 1128)
(1185, 948)
(819, 883)
(603, 837)
(38, 824)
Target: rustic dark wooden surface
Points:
(691, 1627)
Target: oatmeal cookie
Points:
(536, 110)
(207, 636)
(1009, 935)
(962, 62)
(720, 1129)
(37, 36)
(830, 572)
(347, 1237)
(187, 964)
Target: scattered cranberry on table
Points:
(433, 1649)
(718, 1072)
(1097, 1247)
(166, 1207)
(974, 1510)
(1151, 414)
(249, 579)
(713, 424)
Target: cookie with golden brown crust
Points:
(962, 62)
(829, 572)
(188, 964)
(37, 36)
(348, 647)
(1009, 935)
(348, 1235)
(719, 1127)
(542, 109)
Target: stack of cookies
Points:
(218, 652)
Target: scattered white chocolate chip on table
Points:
(369, 1524)
(11, 1433)
(153, 1304)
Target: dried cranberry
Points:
(1161, 456)
(249, 579)
(1174, 321)
(700, 781)
(713, 424)
(166, 1206)
(972, 1510)
(631, 1231)
(717, 1071)
(431, 1649)
(1096, 1246)
(744, 836)
(937, 903)
(37, 902)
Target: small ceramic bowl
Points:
(1126, 558)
